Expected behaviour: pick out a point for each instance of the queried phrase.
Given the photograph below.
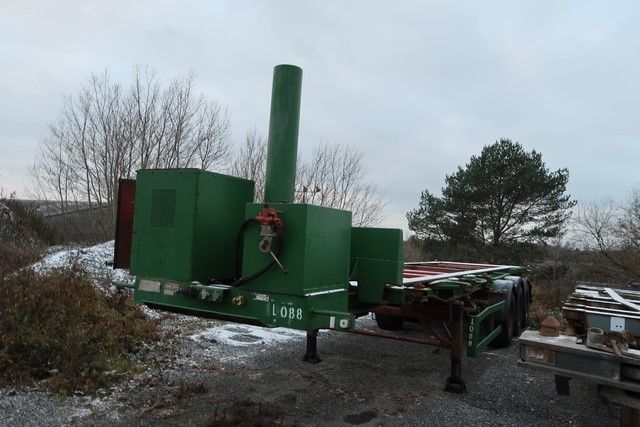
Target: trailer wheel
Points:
(518, 315)
(523, 305)
(520, 293)
(509, 316)
(527, 302)
(389, 322)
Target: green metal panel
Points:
(185, 223)
(313, 294)
(376, 260)
(476, 343)
(315, 252)
(283, 134)
(248, 306)
(163, 208)
(220, 212)
(163, 223)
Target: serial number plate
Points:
(261, 297)
(286, 312)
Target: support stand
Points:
(628, 416)
(455, 384)
(311, 356)
(562, 385)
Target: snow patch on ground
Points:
(236, 343)
(93, 259)
(238, 335)
(191, 341)
(150, 312)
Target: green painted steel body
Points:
(245, 305)
(184, 250)
(185, 223)
(315, 251)
(175, 237)
(283, 134)
(376, 261)
(476, 343)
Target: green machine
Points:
(198, 243)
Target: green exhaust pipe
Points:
(284, 122)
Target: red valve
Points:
(270, 217)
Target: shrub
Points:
(14, 257)
(28, 224)
(59, 329)
(548, 298)
(20, 244)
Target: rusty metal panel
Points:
(124, 223)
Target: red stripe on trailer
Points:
(425, 272)
(470, 266)
(438, 268)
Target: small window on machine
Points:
(163, 208)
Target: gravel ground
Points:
(218, 373)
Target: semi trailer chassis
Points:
(198, 242)
(462, 307)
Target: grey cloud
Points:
(420, 86)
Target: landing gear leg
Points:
(311, 356)
(455, 384)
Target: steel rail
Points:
(615, 296)
(427, 341)
(449, 263)
(428, 278)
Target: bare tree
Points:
(629, 224)
(107, 132)
(614, 231)
(250, 161)
(147, 126)
(56, 175)
(335, 176)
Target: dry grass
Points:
(548, 297)
(21, 242)
(27, 222)
(57, 329)
(14, 257)
(60, 331)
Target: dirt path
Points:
(214, 372)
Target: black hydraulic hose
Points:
(267, 267)
(258, 273)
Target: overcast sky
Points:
(419, 86)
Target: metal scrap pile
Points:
(609, 318)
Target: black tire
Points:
(506, 333)
(389, 322)
(527, 303)
(524, 312)
(518, 315)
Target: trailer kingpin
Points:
(198, 243)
